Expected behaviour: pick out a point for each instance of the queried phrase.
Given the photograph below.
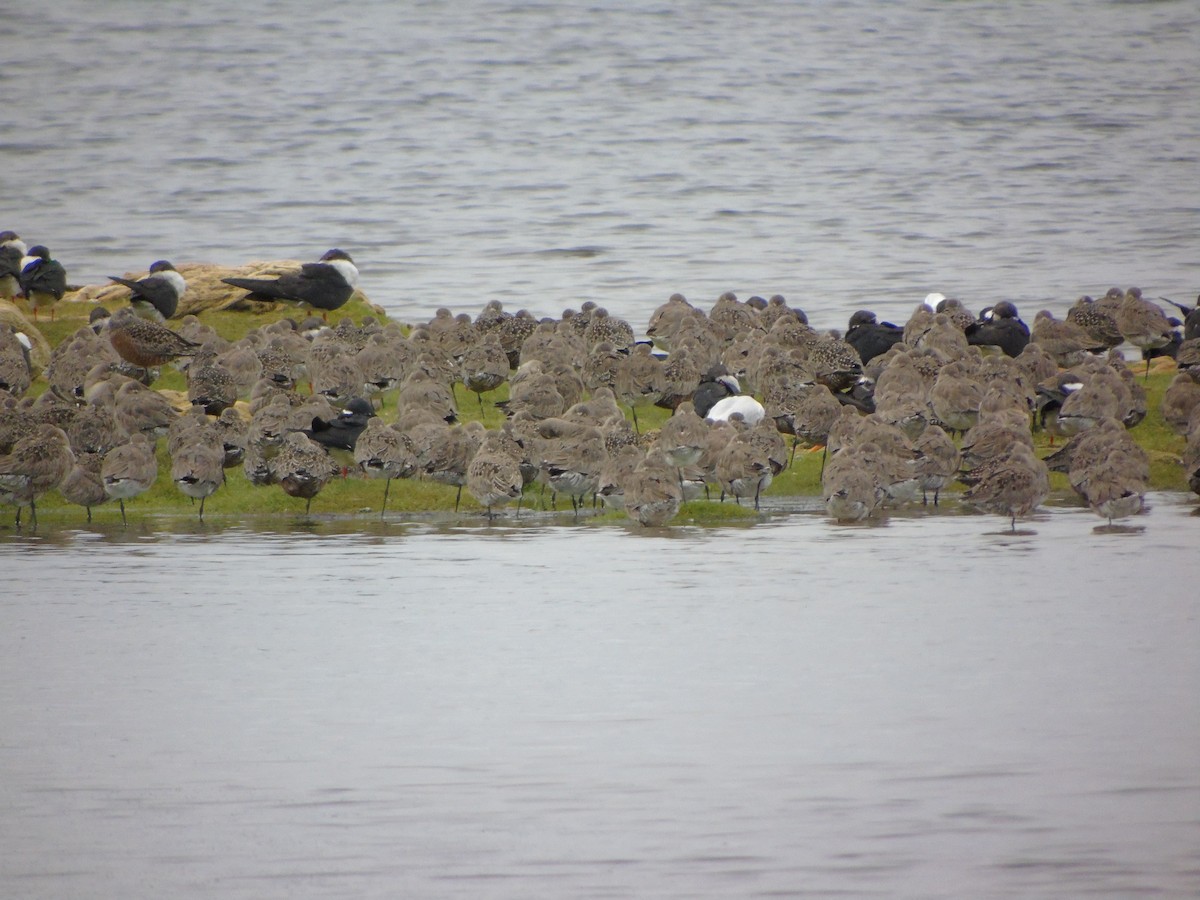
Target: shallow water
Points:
(928, 706)
(844, 155)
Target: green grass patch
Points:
(356, 495)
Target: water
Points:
(926, 707)
(851, 155)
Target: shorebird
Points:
(683, 437)
(302, 468)
(602, 327)
(680, 379)
(198, 467)
(43, 280)
(569, 456)
(140, 409)
(937, 462)
(95, 429)
(210, 384)
(144, 343)
(1067, 342)
(639, 379)
(956, 395)
(494, 473)
(382, 363)
(615, 474)
(382, 451)
(1011, 485)
(155, 297)
(749, 462)
(129, 470)
(1181, 398)
(834, 363)
(484, 366)
(444, 451)
(1143, 323)
(1109, 470)
(325, 285)
(83, 485)
(1098, 323)
(535, 392)
(850, 486)
(38, 463)
(653, 491)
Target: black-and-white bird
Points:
(325, 285)
(341, 432)
(12, 252)
(156, 296)
(715, 385)
(999, 326)
(870, 337)
(43, 280)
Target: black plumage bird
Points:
(999, 326)
(325, 285)
(43, 280)
(341, 433)
(715, 385)
(156, 296)
(870, 337)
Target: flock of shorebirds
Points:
(901, 411)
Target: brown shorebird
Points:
(569, 456)
(1099, 324)
(1109, 470)
(1180, 399)
(145, 343)
(937, 461)
(494, 473)
(197, 468)
(38, 462)
(382, 451)
(653, 492)
(1011, 485)
(129, 470)
(640, 379)
(302, 468)
(615, 475)
(83, 485)
(484, 366)
(850, 485)
(751, 460)
(445, 451)
(1144, 324)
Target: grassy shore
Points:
(358, 496)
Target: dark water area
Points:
(929, 706)
(844, 155)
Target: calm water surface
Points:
(845, 155)
(925, 707)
